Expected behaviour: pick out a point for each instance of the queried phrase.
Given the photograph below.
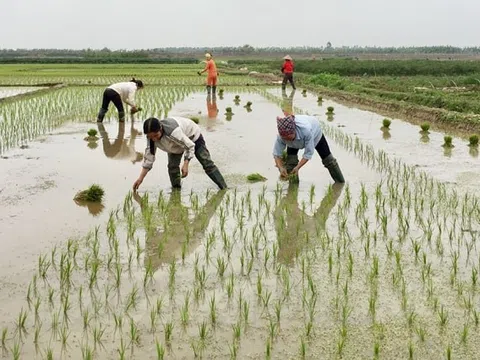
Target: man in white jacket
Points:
(177, 136)
(118, 94)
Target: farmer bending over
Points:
(119, 93)
(177, 136)
(303, 132)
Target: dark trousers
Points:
(110, 95)
(201, 153)
(288, 77)
(322, 149)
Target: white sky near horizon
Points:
(141, 24)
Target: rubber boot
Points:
(217, 178)
(101, 115)
(214, 89)
(332, 165)
(121, 116)
(208, 89)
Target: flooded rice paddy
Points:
(384, 266)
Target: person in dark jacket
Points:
(287, 70)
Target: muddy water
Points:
(277, 237)
(459, 166)
(39, 182)
(6, 92)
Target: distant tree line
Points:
(193, 54)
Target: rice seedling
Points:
(94, 193)
(236, 332)
(330, 110)
(168, 331)
(256, 177)
(447, 142)
(160, 350)
(184, 314)
(16, 350)
(386, 123)
(268, 349)
(473, 141)
(134, 333)
(425, 127)
(4, 338)
(97, 335)
(122, 349)
(195, 119)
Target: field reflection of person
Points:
(121, 148)
(291, 231)
(212, 111)
(287, 102)
(166, 245)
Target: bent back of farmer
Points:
(177, 136)
(297, 132)
(119, 93)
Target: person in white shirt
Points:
(177, 136)
(118, 94)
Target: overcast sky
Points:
(123, 24)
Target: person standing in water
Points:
(212, 74)
(118, 94)
(287, 70)
(297, 132)
(177, 136)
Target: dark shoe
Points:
(218, 179)
(331, 164)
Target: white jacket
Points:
(179, 136)
(126, 90)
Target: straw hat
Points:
(288, 57)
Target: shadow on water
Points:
(178, 231)
(121, 148)
(291, 220)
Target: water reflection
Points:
(94, 208)
(424, 138)
(181, 235)
(386, 133)
(121, 148)
(287, 102)
(212, 111)
(473, 151)
(292, 223)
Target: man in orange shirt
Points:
(211, 67)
